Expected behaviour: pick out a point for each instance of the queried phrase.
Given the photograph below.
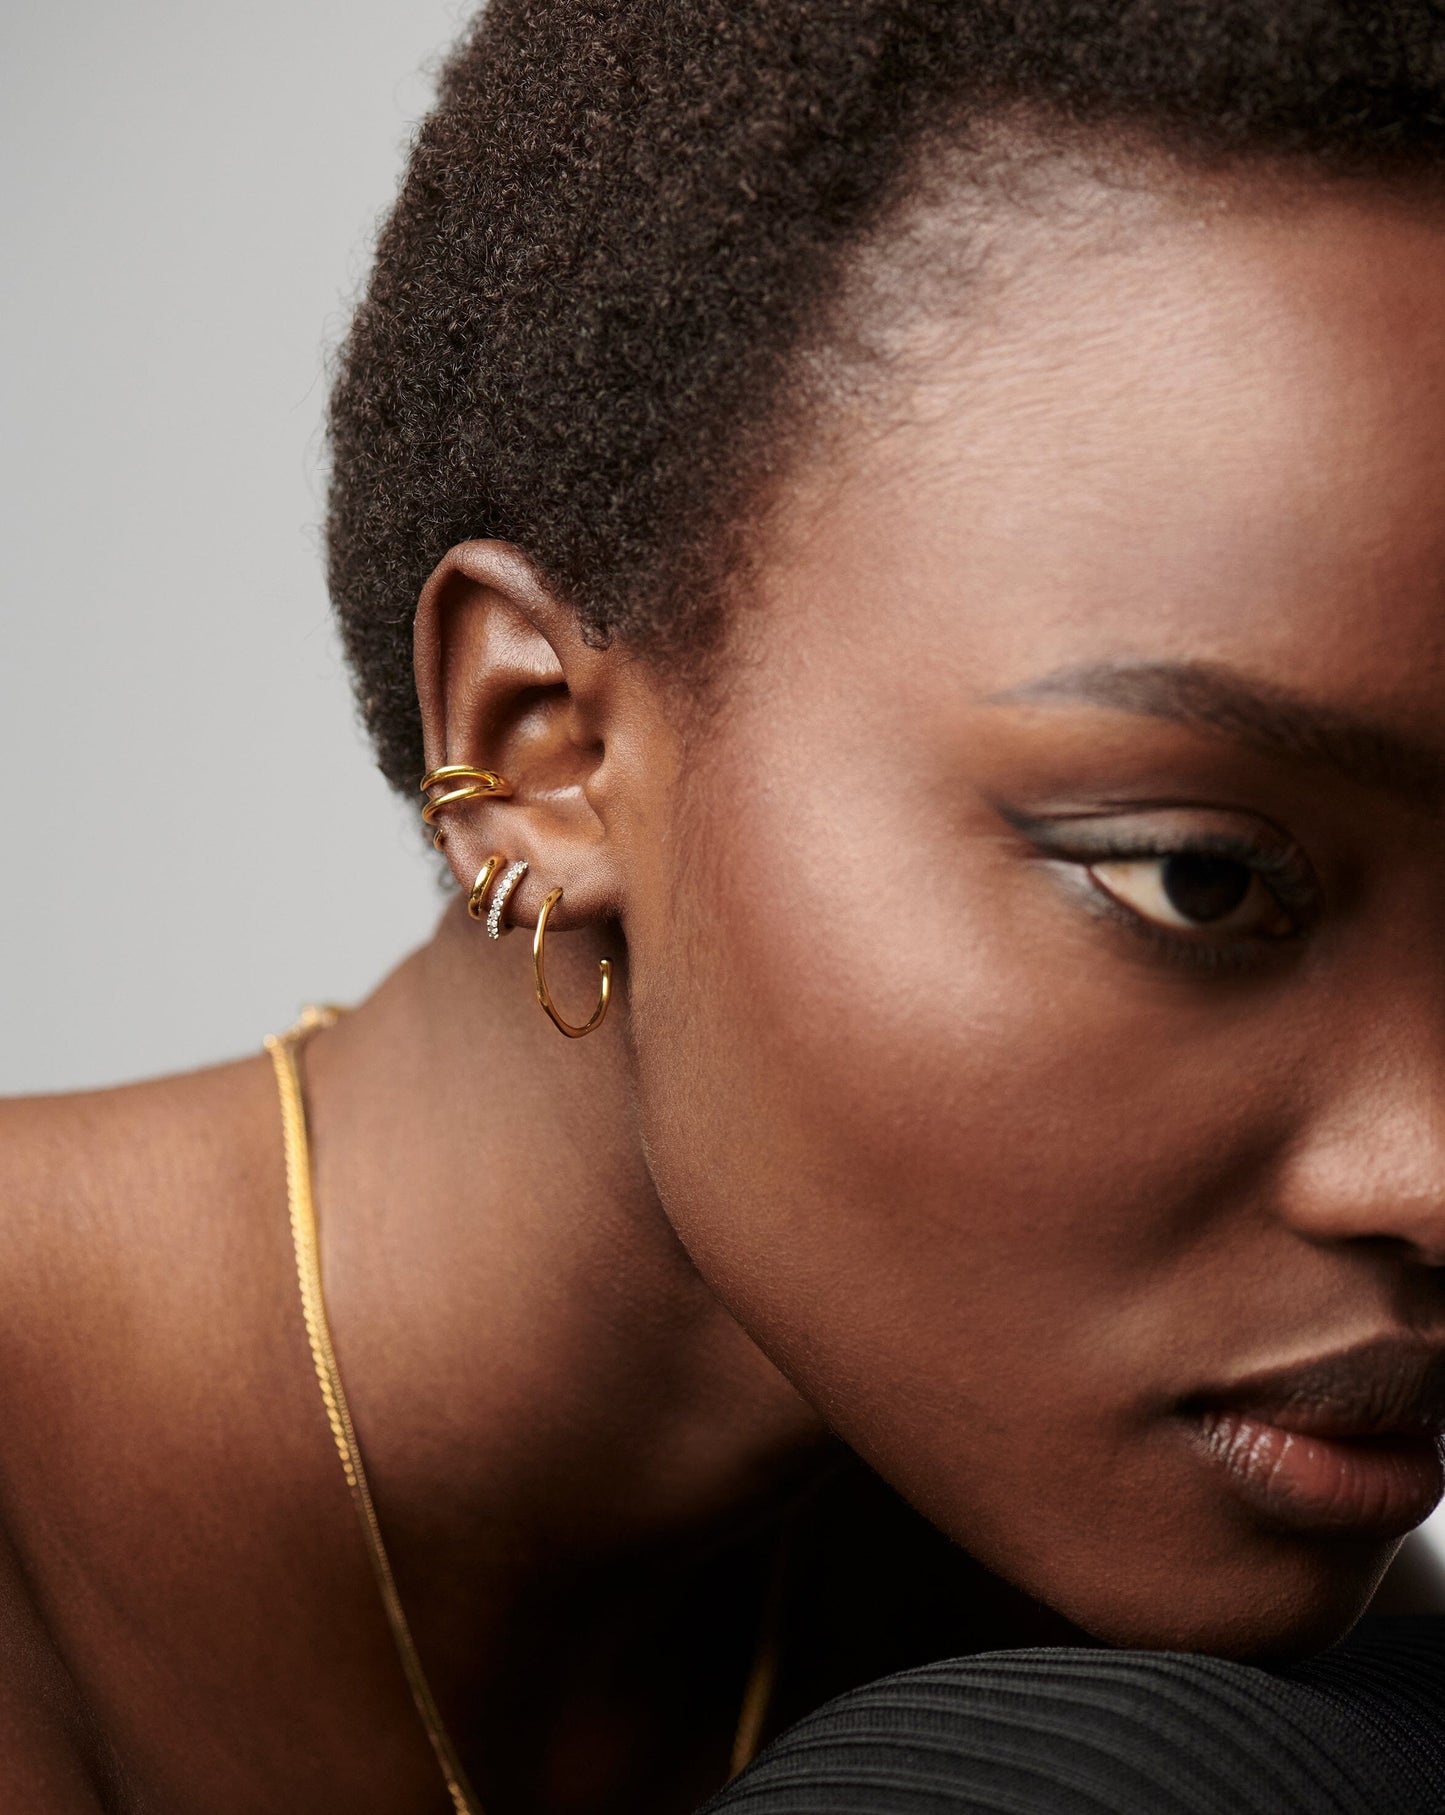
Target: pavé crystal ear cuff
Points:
(477, 784)
(510, 877)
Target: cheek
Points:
(913, 1081)
(954, 1168)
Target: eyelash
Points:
(1285, 872)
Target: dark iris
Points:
(1205, 888)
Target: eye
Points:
(1196, 891)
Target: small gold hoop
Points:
(544, 995)
(477, 900)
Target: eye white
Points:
(1138, 882)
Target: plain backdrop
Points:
(193, 837)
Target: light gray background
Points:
(193, 838)
(192, 835)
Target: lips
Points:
(1352, 1442)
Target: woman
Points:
(908, 536)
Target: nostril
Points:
(1407, 1250)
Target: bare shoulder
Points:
(137, 1226)
(91, 1177)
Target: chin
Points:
(1272, 1608)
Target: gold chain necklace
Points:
(304, 1239)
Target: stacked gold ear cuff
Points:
(479, 784)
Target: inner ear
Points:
(506, 682)
(492, 681)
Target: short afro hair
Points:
(624, 217)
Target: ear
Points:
(506, 682)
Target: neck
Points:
(577, 1455)
(541, 1381)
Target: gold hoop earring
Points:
(544, 995)
(478, 784)
(477, 900)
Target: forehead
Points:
(1212, 426)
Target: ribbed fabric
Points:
(1357, 1731)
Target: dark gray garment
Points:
(1359, 1730)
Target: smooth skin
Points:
(904, 1128)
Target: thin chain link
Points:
(282, 1049)
(304, 1240)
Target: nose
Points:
(1370, 1165)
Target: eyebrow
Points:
(1210, 696)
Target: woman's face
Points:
(1040, 1009)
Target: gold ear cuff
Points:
(477, 784)
(477, 900)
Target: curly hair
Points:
(624, 219)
